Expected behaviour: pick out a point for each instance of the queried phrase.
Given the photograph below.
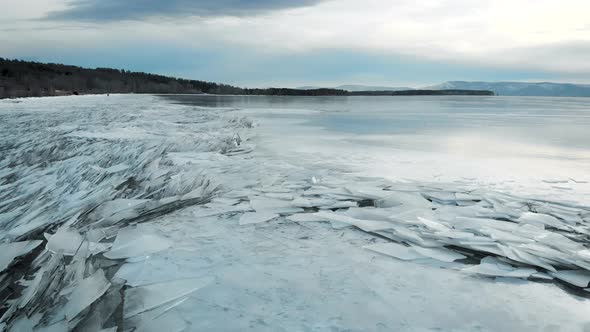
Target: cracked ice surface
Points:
(131, 212)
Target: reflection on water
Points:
(527, 125)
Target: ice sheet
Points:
(395, 250)
(134, 242)
(249, 218)
(143, 298)
(163, 186)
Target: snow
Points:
(136, 215)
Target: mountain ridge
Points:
(508, 88)
(359, 87)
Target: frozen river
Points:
(229, 213)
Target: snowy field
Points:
(214, 213)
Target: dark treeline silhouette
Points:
(33, 79)
(24, 79)
(296, 92)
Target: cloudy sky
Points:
(309, 42)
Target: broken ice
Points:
(109, 216)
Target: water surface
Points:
(519, 144)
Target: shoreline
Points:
(20, 99)
(401, 93)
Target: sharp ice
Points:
(574, 277)
(10, 251)
(85, 293)
(65, 241)
(492, 267)
(134, 242)
(143, 298)
(267, 205)
(541, 219)
(443, 255)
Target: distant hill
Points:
(521, 89)
(354, 88)
(424, 92)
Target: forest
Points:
(20, 78)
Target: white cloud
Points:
(543, 35)
(27, 9)
(499, 32)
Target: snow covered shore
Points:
(134, 212)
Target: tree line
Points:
(20, 78)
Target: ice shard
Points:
(65, 241)
(143, 298)
(441, 254)
(574, 277)
(492, 267)
(85, 293)
(10, 251)
(273, 205)
(134, 242)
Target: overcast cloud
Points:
(545, 38)
(115, 10)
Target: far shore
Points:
(288, 93)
